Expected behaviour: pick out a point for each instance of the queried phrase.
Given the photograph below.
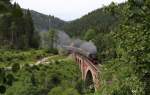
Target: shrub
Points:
(15, 67)
(2, 89)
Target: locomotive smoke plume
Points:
(64, 40)
(84, 45)
(77, 43)
(89, 47)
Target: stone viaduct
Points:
(89, 70)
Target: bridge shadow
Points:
(89, 83)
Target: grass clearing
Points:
(8, 57)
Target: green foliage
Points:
(62, 51)
(9, 79)
(16, 27)
(124, 48)
(57, 77)
(52, 51)
(105, 46)
(48, 39)
(123, 91)
(56, 91)
(4, 6)
(15, 67)
(71, 91)
(43, 23)
(120, 32)
(2, 89)
(90, 34)
(98, 20)
(2, 74)
(68, 91)
(132, 50)
(118, 78)
(8, 58)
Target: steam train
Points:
(90, 55)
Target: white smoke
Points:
(64, 40)
(76, 43)
(89, 47)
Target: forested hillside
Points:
(44, 22)
(97, 20)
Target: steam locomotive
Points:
(90, 55)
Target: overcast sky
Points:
(65, 9)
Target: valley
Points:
(105, 52)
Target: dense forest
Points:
(121, 33)
(43, 23)
(97, 20)
(16, 28)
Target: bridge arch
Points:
(89, 81)
(89, 72)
